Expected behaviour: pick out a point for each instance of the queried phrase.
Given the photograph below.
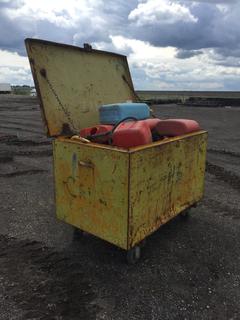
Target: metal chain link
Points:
(65, 111)
(131, 88)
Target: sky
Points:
(170, 45)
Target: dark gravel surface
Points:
(189, 269)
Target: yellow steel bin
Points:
(118, 195)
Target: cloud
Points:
(155, 12)
(187, 25)
(190, 34)
(225, 2)
(14, 68)
(72, 21)
(212, 27)
(177, 43)
(9, 59)
(186, 54)
(10, 35)
(160, 68)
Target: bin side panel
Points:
(164, 180)
(91, 189)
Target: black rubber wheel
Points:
(77, 233)
(184, 215)
(133, 255)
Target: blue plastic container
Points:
(113, 113)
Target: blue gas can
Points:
(113, 113)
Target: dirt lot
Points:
(189, 270)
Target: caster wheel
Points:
(185, 214)
(133, 255)
(77, 234)
(143, 243)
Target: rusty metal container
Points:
(118, 195)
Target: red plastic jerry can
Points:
(98, 129)
(131, 134)
(152, 123)
(176, 127)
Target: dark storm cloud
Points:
(114, 16)
(10, 4)
(17, 29)
(185, 54)
(10, 35)
(206, 32)
(215, 27)
(226, 52)
(208, 26)
(11, 38)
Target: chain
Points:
(66, 112)
(131, 88)
(137, 96)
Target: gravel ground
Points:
(189, 270)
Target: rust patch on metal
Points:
(171, 180)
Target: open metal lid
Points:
(72, 83)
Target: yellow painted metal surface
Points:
(78, 81)
(123, 196)
(164, 180)
(91, 185)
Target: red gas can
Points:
(131, 134)
(98, 129)
(152, 123)
(176, 127)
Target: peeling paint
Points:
(122, 197)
